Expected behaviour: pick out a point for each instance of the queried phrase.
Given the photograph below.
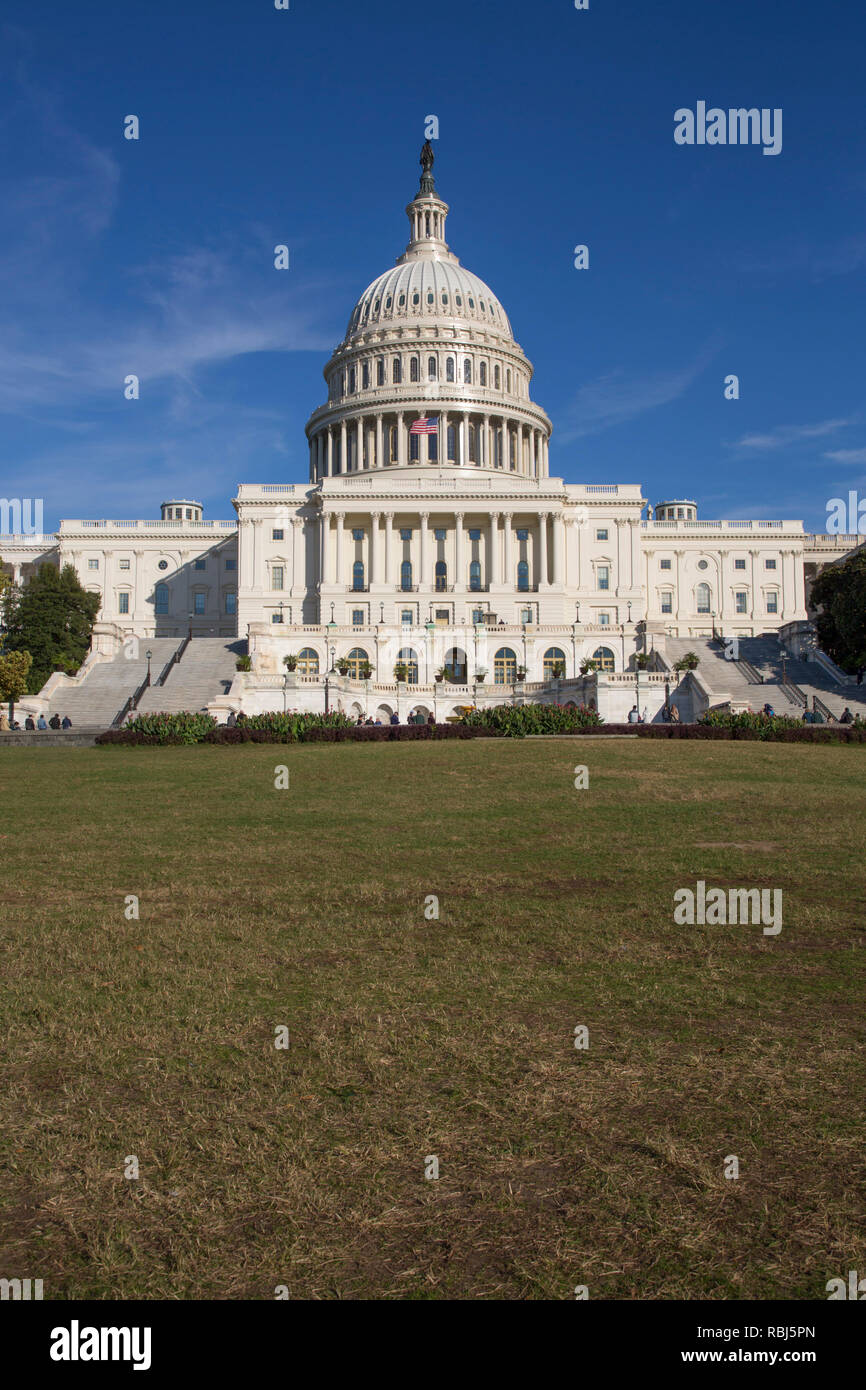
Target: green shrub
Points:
(172, 728)
(516, 721)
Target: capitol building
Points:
(431, 561)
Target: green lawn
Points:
(412, 1037)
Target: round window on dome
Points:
(388, 302)
(471, 302)
(459, 299)
(481, 305)
(402, 300)
(430, 296)
(444, 297)
(416, 299)
(376, 306)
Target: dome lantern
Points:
(427, 213)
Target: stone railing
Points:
(148, 526)
(686, 526)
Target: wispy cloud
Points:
(846, 455)
(783, 436)
(619, 396)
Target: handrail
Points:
(172, 661)
(132, 702)
(752, 674)
(793, 692)
(818, 703)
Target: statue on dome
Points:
(427, 157)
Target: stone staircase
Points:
(205, 671)
(109, 684)
(760, 658)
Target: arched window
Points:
(504, 667)
(413, 369)
(508, 380)
(397, 371)
(380, 372)
(703, 595)
(496, 377)
(473, 440)
(455, 666)
(366, 375)
(308, 662)
(467, 371)
(482, 373)
(358, 575)
(356, 658)
(475, 575)
(351, 379)
(441, 576)
(161, 599)
(432, 369)
(603, 658)
(449, 369)
(522, 576)
(410, 660)
(406, 575)
(554, 663)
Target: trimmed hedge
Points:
(519, 721)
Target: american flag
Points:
(425, 424)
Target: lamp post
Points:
(783, 655)
(285, 691)
(713, 617)
(189, 630)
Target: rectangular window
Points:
(199, 605)
(357, 533)
(739, 564)
(406, 534)
(439, 534)
(769, 564)
(522, 534)
(93, 564)
(199, 564)
(276, 576)
(772, 603)
(667, 603)
(601, 535)
(475, 535)
(231, 563)
(664, 564)
(277, 534)
(442, 615)
(189, 513)
(603, 577)
(124, 564)
(357, 617)
(123, 603)
(477, 616)
(406, 616)
(604, 619)
(741, 599)
(276, 617)
(526, 615)
(231, 604)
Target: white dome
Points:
(428, 287)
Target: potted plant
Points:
(688, 662)
(587, 666)
(290, 662)
(366, 670)
(244, 663)
(480, 676)
(558, 670)
(401, 672)
(642, 661)
(343, 666)
(440, 675)
(521, 674)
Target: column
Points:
(494, 575)
(756, 590)
(508, 537)
(344, 463)
(379, 460)
(298, 575)
(558, 538)
(442, 443)
(464, 439)
(485, 435)
(359, 460)
(375, 550)
(401, 440)
(329, 453)
(423, 578)
(338, 548)
(459, 576)
(542, 550)
(389, 524)
(330, 552)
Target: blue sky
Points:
(303, 127)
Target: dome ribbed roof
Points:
(425, 288)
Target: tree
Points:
(840, 592)
(14, 667)
(52, 618)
